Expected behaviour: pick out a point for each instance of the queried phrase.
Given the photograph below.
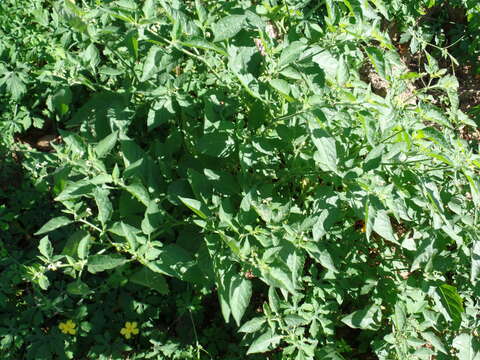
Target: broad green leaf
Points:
(78, 287)
(73, 243)
(130, 236)
(342, 71)
(84, 247)
(150, 65)
(328, 63)
(435, 341)
(15, 84)
(326, 156)
(264, 343)
(139, 192)
(291, 53)
(105, 146)
(452, 302)
(378, 61)
(383, 227)
(475, 258)
(45, 247)
(253, 325)
(467, 346)
(104, 205)
(367, 319)
(228, 27)
(99, 263)
(240, 293)
(196, 206)
(54, 224)
(321, 255)
(150, 279)
(281, 86)
(62, 99)
(132, 43)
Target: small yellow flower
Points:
(68, 327)
(129, 329)
(364, 228)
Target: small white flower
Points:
(54, 266)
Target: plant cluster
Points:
(237, 180)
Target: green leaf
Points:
(452, 303)
(328, 63)
(435, 341)
(54, 224)
(321, 255)
(78, 288)
(150, 65)
(240, 293)
(150, 279)
(196, 206)
(281, 86)
(99, 263)
(291, 53)
(367, 319)
(383, 227)
(264, 342)
(139, 192)
(228, 27)
(45, 247)
(132, 43)
(84, 247)
(62, 99)
(14, 84)
(105, 146)
(475, 267)
(326, 156)
(104, 205)
(342, 71)
(467, 346)
(253, 325)
(378, 61)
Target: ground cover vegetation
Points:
(243, 179)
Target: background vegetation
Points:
(243, 179)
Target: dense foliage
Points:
(238, 180)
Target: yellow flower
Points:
(68, 327)
(129, 329)
(364, 228)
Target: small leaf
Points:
(54, 224)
